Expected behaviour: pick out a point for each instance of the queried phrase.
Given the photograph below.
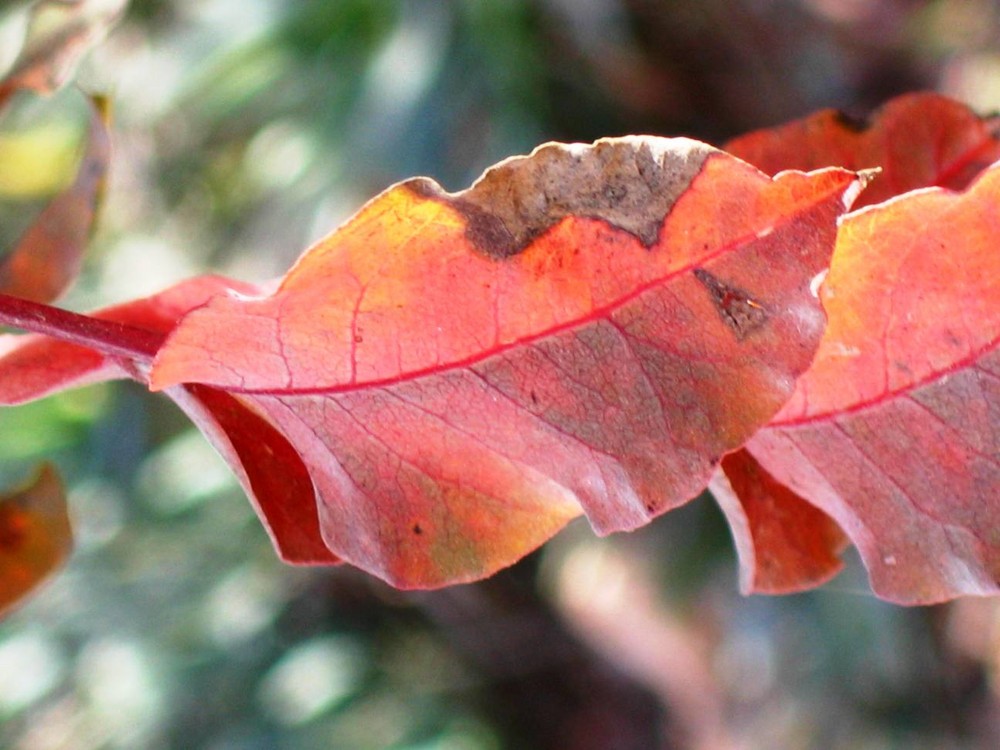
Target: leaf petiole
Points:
(106, 336)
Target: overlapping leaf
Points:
(893, 430)
(916, 140)
(586, 329)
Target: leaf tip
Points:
(863, 179)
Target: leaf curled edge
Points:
(784, 543)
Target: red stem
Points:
(106, 336)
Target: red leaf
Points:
(35, 536)
(894, 429)
(50, 254)
(784, 543)
(434, 390)
(587, 327)
(918, 140)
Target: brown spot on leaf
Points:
(418, 529)
(631, 183)
(740, 311)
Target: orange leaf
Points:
(35, 536)
(918, 140)
(439, 386)
(587, 328)
(894, 429)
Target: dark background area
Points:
(246, 129)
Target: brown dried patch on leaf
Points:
(738, 310)
(631, 183)
(851, 121)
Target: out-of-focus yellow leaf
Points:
(38, 162)
(35, 536)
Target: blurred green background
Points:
(245, 130)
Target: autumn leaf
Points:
(894, 429)
(917, 140)
(883, 321)
(587, 329)
(49, 256)
(35, 536)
